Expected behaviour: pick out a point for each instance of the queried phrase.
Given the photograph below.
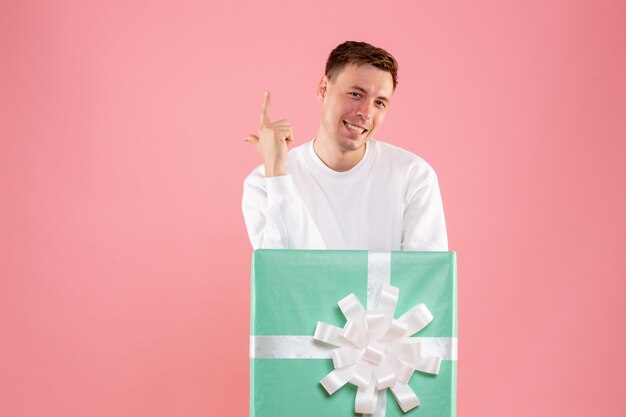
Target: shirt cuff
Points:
(281, 186)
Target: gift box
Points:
(299, 295)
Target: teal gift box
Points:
(293, 290)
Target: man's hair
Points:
(351, 52)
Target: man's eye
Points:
(381, 103)
(353, 94)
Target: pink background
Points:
(124, 259)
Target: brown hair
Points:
(351, 52)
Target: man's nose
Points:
(364, 110)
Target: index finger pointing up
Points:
(265, 111)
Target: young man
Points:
(343, 189)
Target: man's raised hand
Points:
(272, 141)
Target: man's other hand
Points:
(272, 141)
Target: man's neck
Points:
(337, 159)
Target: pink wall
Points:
(124, 262)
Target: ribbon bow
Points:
(375, 351)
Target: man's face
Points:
(354, 105)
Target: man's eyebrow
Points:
(356, 87)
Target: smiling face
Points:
(354, 105)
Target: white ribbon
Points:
(305, 347)
(374, 351)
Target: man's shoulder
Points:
(299, 151)
(403, 159)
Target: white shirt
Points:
(389, 201)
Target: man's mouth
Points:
(354, 128)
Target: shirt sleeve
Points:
(424, 224)
(275, 215)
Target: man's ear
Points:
(322, 88)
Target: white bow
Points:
(375, 351)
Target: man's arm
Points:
(424, 224)
(276, 217)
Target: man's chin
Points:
(354, 145)
(349, 144)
